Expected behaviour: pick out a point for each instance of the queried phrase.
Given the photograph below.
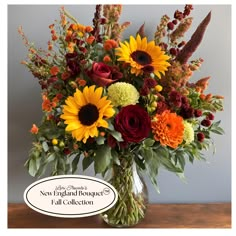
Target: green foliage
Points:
(102, 159)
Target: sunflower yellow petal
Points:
(73, 126)
(79, 98)
(69, 109)
(71, 103)
(86, 94)
(139, 42)
(93, 132)
(78, 134)
(103, 123)
(96, 96)
(143, 45)
(109, 112)
(132, 44)
(69, 117)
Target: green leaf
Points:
(41, 170)
(162, 152)
(180, 158)
(110, 126)
(61, 167)
(148, 142)
(56, 149)
(167, 163)
(140, 161)
(50, 158)
(41, 139)
(87, 161)
(152, 165)
(100, 140)
(217, 131)
(37, 163)
(102, 159)
(45, 146)
(67, 168)
(32, 168)
(115, 157)
(117, 135)
(75, 163)
(152, 177)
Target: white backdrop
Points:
(206, 182)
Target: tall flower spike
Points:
(194, 42)
(161, 29)
(181, 29)
(141, 31)
(96, 23)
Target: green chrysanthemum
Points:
(123, 94)
(188, 132)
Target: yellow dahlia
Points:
(85, 112)
(143, 56)
(168, 128)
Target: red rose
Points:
(104, 75)
(133, 122)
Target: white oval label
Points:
(70, 196)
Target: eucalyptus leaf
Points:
(117, 135)
(102, 159)
(67, 168)
(56, 148)
(45, 146)
(41, 170)
(87, 161)
(115, 157)
(61, 165)
(37, 163)
(180, 158)
(167, 163)
(140, 162)
(32, 167)
(75, 163)
(148, 142)
(50, 158)
(100, 140)
(110, 126)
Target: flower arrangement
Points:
(113, 101)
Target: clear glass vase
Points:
(131, 206)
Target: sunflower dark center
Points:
(88, 114)
(141, 57)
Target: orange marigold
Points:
(109, 44)
(89, 29)
(34, 129)
(47, 105)
(168, 128)
(90, 39)
(82, 82)
(106, 58)
(54, 70)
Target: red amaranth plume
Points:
(194, 42)
(141, 31)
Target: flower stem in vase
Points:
(132, 196)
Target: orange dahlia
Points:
(168, 128)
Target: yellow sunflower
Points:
(85, 112)
(143, 56)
